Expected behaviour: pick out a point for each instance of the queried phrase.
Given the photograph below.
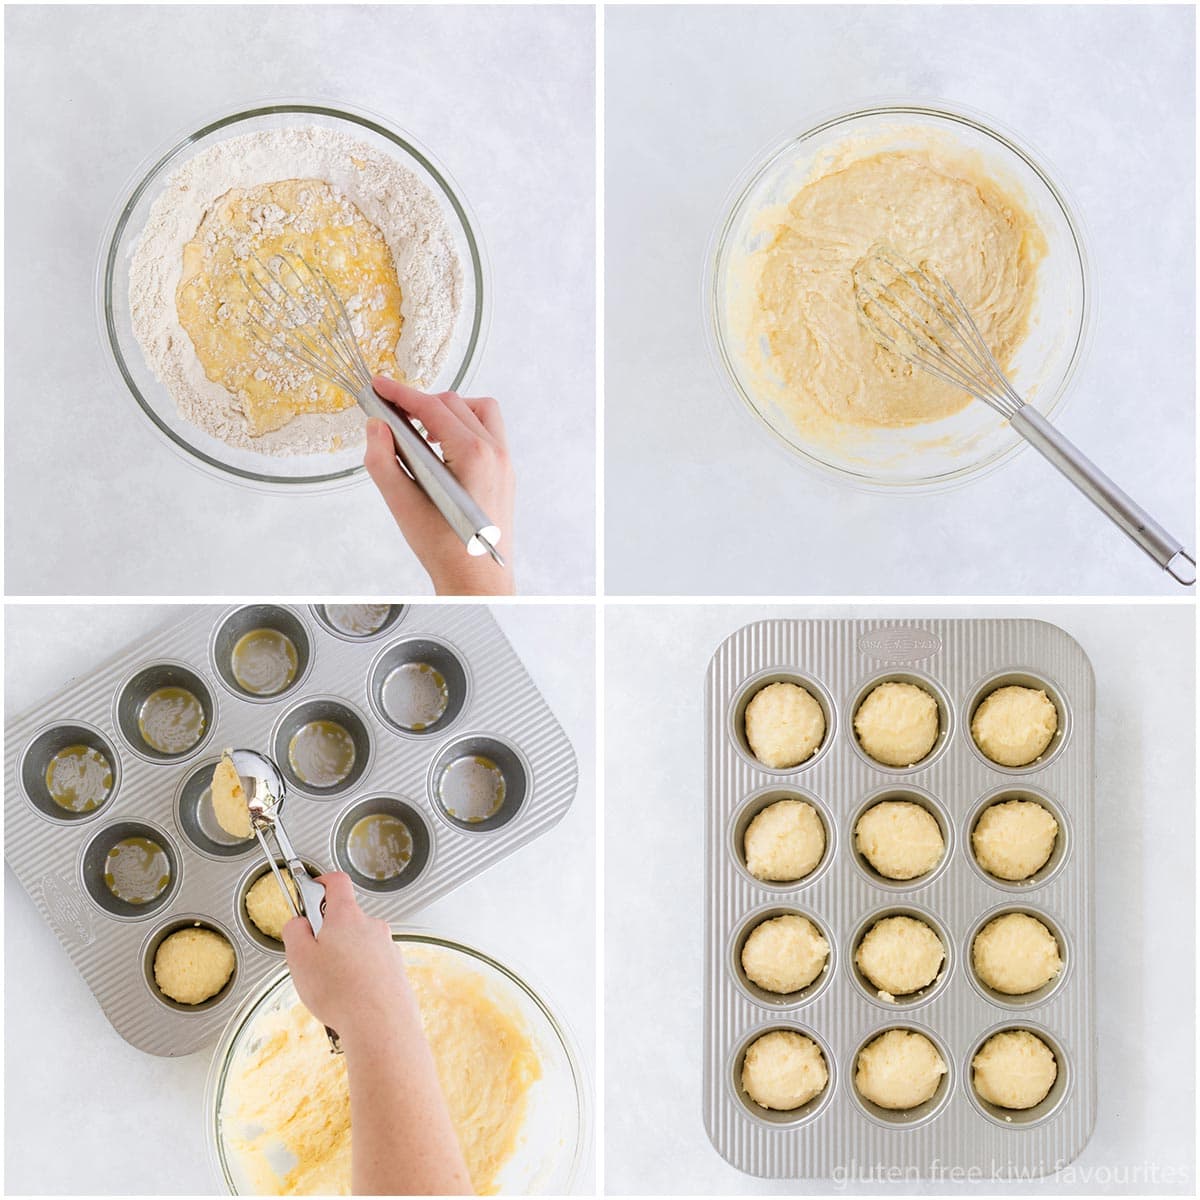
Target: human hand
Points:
(352, 977)
(471, 435)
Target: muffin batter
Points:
(900, 839)
(1014, 1069)
(229, 800)
(899, 1070)
(784, 954)
(1016, 954)
(897, 724)
(486, 1064)
(193, 965)
(79, 778)
(934, 207)
(784, 725)
(784, 1070)
(900, 956)
(1014, 725)
(266, 906)
(1014, 839)
(784, 842)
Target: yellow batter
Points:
(311, 219)
(931, 207)
(295, 1092)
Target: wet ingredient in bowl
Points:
(79, 778)
(137, 870)
(379, 846)
(171, 720)
(264, 661)
(321, 753)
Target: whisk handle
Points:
(1166, 550)
(452, 500)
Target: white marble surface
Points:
(656, 658)
(698, 500)
(96, 501)
(134, 1123)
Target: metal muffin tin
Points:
(494, 709)
(838, 1133)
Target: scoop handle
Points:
(473, 526)
(1166, 550)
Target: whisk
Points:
(296, 312)
(915, 311)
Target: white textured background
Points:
(84, 1111)
(656, 659)
(96, 500)
(698, 500)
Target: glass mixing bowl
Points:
(941, 453)
(555, 1138)
(307, 472)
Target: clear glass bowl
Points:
(298, 473)
(556, 1136)
(938, 454)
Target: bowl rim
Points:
(941, 110)
(148, 173)
(220, 1061)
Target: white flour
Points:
(390, 196)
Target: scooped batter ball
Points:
(784, 842)
(784, 725)
(897, 724)
(783, 1070)
(1014, 839)
(266, 906)
(900, 955)
(229, 800)
(193, 965)
(1016, 954)
(784, 954)
(1014, 725)
(900, 839)
(899, 1069)
(1014, 1069)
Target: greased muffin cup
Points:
(59, 856)
(959, 662)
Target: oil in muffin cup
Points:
(902, 1118)
(40, 753)
(322, 747)
(736, 725)
(780, 1000)
(167, 685)
(146, 886)
(908, 1000)
(945, 719)
(164, 931)
(1046, 1109)
(231, 639)
(909, 795)
(419, 686)
(751, 807)
(1028, 679)
(249, 878)
(1041, 995)
(197, 822)
(479, 783)
(778, 1118)
(1059, 855)
(359, 622)
(384, 843)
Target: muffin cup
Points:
(750, 809)
(751, 688)
(772, 1117)
(902, 1118)
(779, 1001)
(35, 759)
(1022, 1118)
(234, 626)
(511, 764)
(1028, 679)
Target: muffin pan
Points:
(493, 716)
(959, 662)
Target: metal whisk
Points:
(914, 311)
(297, 313)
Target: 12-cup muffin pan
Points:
(839, 1133)
(492, 710)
